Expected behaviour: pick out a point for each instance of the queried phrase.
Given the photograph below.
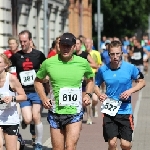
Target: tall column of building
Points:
(85, 19)
(76, 19)
(31, 22)
(71, 16)
(58, 22)
(52, 24)
(66, 25)
(5, 23)
(23, 13)
(90, 20)
(40, 27)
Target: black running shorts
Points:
(10, 129)
(120, 126)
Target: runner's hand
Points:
(7, 99)
(102, 97)
(47, 104)
(86, 100)
(125, 95)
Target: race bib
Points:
(137, 56)
(110, 106)
(3, 105)
(27, 77)
(69, 96)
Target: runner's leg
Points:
(94, 105)
(10, 136)
(125, 145)
(10, 141)
(1, 139)
(36, 110)
(72, 135)
(27, 114)
(57, 138)
(112, 144)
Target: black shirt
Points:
(26, 62)
(83, 55)
(137, 57)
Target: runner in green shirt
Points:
(66, 72)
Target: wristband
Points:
(89, 94)
(13, 98)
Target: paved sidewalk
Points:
(142, 129)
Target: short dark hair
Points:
(138, 40)
(79, 40)
(114, 44)
(28, 32)
(81, 36)
(53, 44)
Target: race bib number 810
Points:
(110, 106)
(69, 96)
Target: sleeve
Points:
(42, 72)
(102, 56)
(88, 73)
(13, 60)
(12, 68)
(86, 54)
(99, 78)
(135, 73)
(43, 58)
(99, 58)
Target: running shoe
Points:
(38, 146)
(89, 121)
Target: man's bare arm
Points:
(97, 90)
(90, 85)
(38, 84)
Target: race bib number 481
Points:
(110, 106)
(69, 96)
(27, 77)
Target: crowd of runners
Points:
(70, 82)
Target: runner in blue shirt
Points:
(116, 102)
(104, 55)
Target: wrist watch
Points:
(89, 94)
(13, 98)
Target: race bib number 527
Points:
(69, 96)
(110, 106)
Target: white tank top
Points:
(8, 116)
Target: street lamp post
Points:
(98, 25)
(45, 34)
(149, 26)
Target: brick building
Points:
(62, 16)
(80, 17)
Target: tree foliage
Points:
(123, 17)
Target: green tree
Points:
(123, 17)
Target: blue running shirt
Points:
(118, 81)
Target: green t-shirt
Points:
(62, 75)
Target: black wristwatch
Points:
(13, 98)
(89, 94)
